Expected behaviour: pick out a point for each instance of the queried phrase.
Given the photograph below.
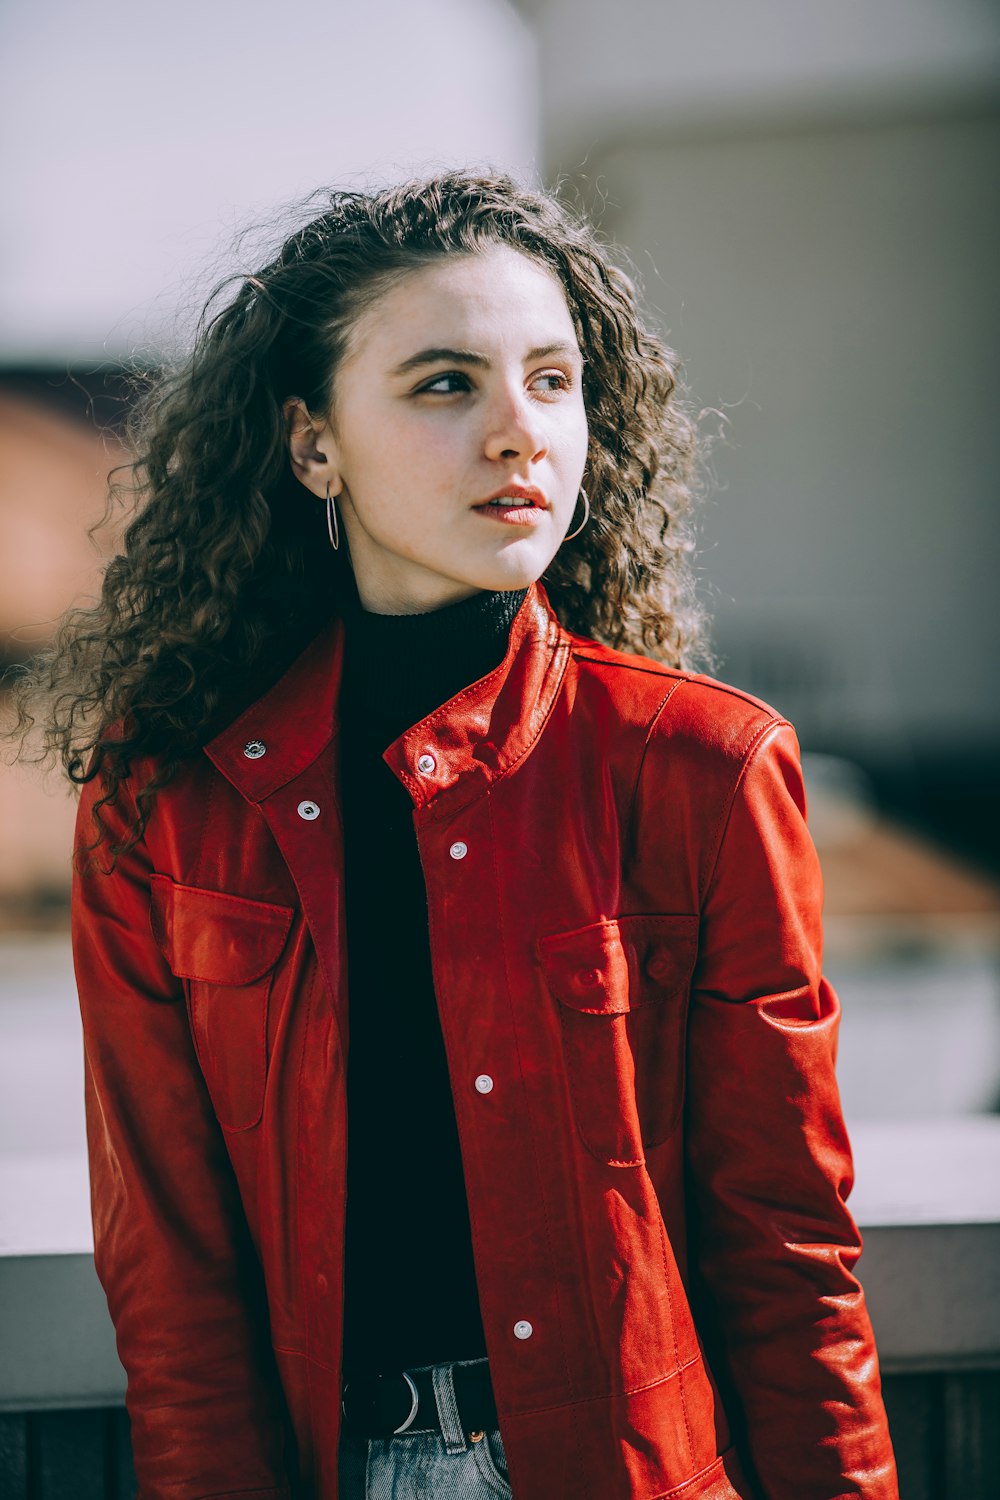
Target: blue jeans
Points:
(423, 1463)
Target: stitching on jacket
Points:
(653, 923)
(474, 689)
(653, 920)
(279, 1491)
(299, 1235)
(207, 806)
(679, 1489)
(254, 978)
(673, 1329)
(321, 1364)
(282, 928)
(719, 832)
(653, 668)
(194, 1011)
(629, 819)
(558, 662)
(203, 890)
(441, 806)
(542, 949)
(551, 963)
(633, 1390)
(278, 780)
(660, 669)
(532, 1135)
(579, 1113)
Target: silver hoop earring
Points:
(586, 517)
(332, 525)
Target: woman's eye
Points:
(554, 380)
(446, 384)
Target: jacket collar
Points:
(473, 738)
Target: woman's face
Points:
(461, 382)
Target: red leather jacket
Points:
(625, 932)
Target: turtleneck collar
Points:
(398, 668)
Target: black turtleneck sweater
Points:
(410, 1286)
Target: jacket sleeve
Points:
(773, 1245)
(171, 1243)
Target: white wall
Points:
(136, 138)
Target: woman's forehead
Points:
(493, 299)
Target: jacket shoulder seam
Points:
(719, 833)
(624, 663)
(654, 720)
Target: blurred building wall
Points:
(834, 292)
(808, 196)
(53, 468)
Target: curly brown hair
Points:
(225, 572)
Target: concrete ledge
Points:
(933, 1292)
(59, 1344)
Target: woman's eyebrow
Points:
(479, 361)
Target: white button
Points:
(254, 749)
(523, 1329)
(426, 764)
(308, 810)
(484, 1083)
(458, 850)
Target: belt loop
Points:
(447, 1408)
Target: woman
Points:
(459, 1069)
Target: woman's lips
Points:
(521, 514)
(522, 504)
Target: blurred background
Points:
(807, 195)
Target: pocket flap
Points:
(610, 968)
(215, 937)
(587, 969)
(664, 948)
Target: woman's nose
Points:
(514, 429)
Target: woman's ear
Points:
(312, 449)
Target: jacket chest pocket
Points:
(225, 949)
(622, 989)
